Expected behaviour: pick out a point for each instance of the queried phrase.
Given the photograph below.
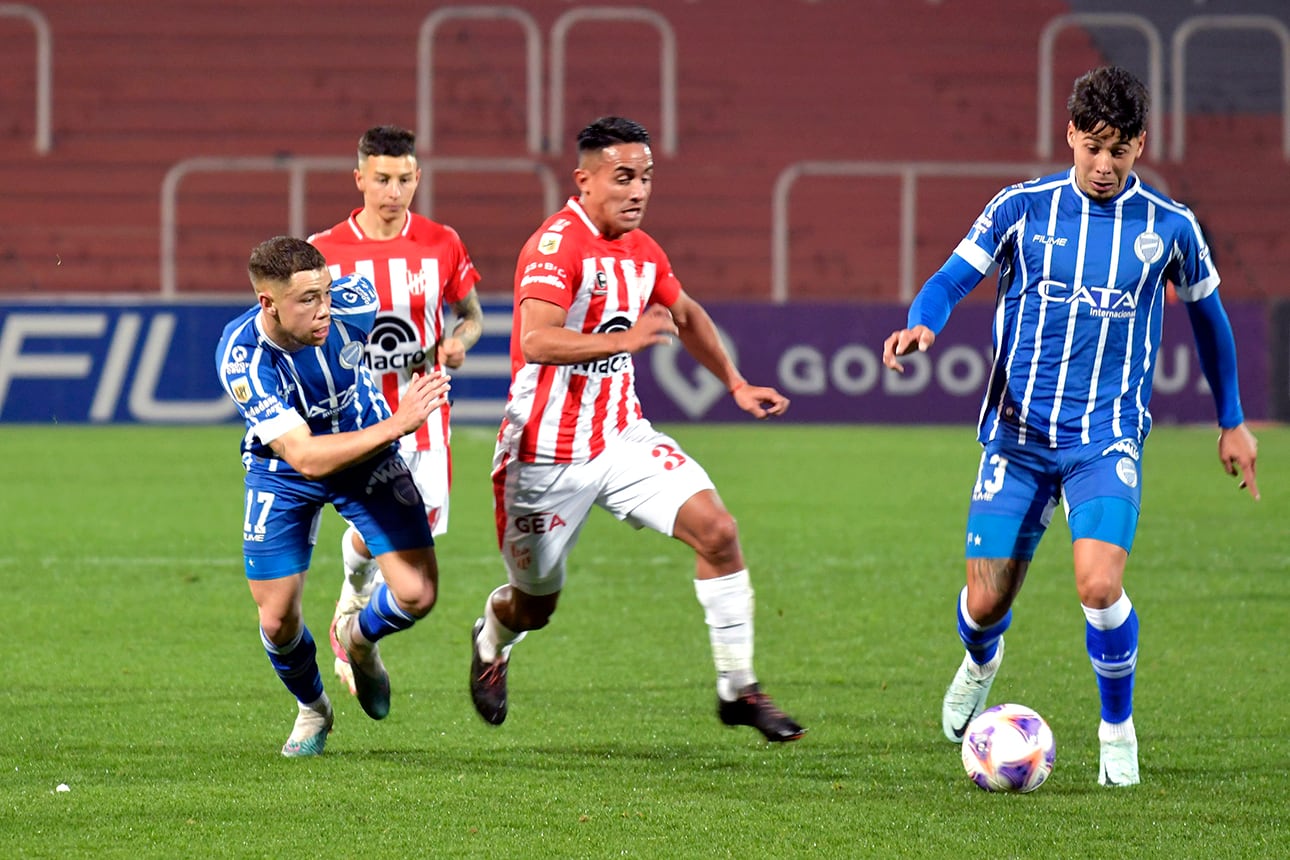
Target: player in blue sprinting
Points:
(318, 431)
(1084, 257)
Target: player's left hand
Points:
(759, 401)
(1237, 450)
(451, 352)
(905, 341)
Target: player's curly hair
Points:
(279, 258)
(611, 130)
(1109, 96)
(391, 140)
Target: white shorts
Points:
(643, 478)
(431, 473)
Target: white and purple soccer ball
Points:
(1009, 748)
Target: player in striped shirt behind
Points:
(417, 266)
(1084, 257)
(319, 432)
(592, 289)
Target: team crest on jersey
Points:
(351, 355)
(241, 389)
(549, 243)
(1148, 247)
(420, 283)
(602, 285)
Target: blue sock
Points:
(382, 616)
(981, 642)
(297, 665)
(1112, 640)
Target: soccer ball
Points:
(1009, 748)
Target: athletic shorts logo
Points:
(1127, 471)
(549, 243)
(351, 355)
(539, 523)
(1149, 247)
(1123, 446)
(394, 474)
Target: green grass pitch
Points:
(135, 676)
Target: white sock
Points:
(321, 705)
(1116, 731)
(495, 637)
(727, 603)
(1112, 616)
(359, 568)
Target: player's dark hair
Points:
(611, 130)
(387, 140)
(1109, 96)
(279, 258)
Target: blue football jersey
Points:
(329, 387)
(1081, 295)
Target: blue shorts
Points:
(1018, 487)
(283, 511)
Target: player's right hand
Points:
(425, 393)
(655, 326)
(905, 341)
(1238, 451)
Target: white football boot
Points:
(355, 592)
(967, 693)
(1119, 759)
(309, 735)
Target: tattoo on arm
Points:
(470, 320)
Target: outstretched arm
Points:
(930, 310)
(700, 338)
(1216, 346)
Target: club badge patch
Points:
(1148, 247)
(1127, 471)
(351, 355)
(549, 243)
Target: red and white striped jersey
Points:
(415, 274)
(567, 413)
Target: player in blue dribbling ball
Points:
(1084, 257)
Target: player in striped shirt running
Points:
(1084, 257)
(417, 266)
(591, 290)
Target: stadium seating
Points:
(155, 83)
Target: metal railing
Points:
(1047, 41)
(44, 70)
(297, 168)
(667, 69)
(425, 67)
(1198, 23)
(909, 173)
